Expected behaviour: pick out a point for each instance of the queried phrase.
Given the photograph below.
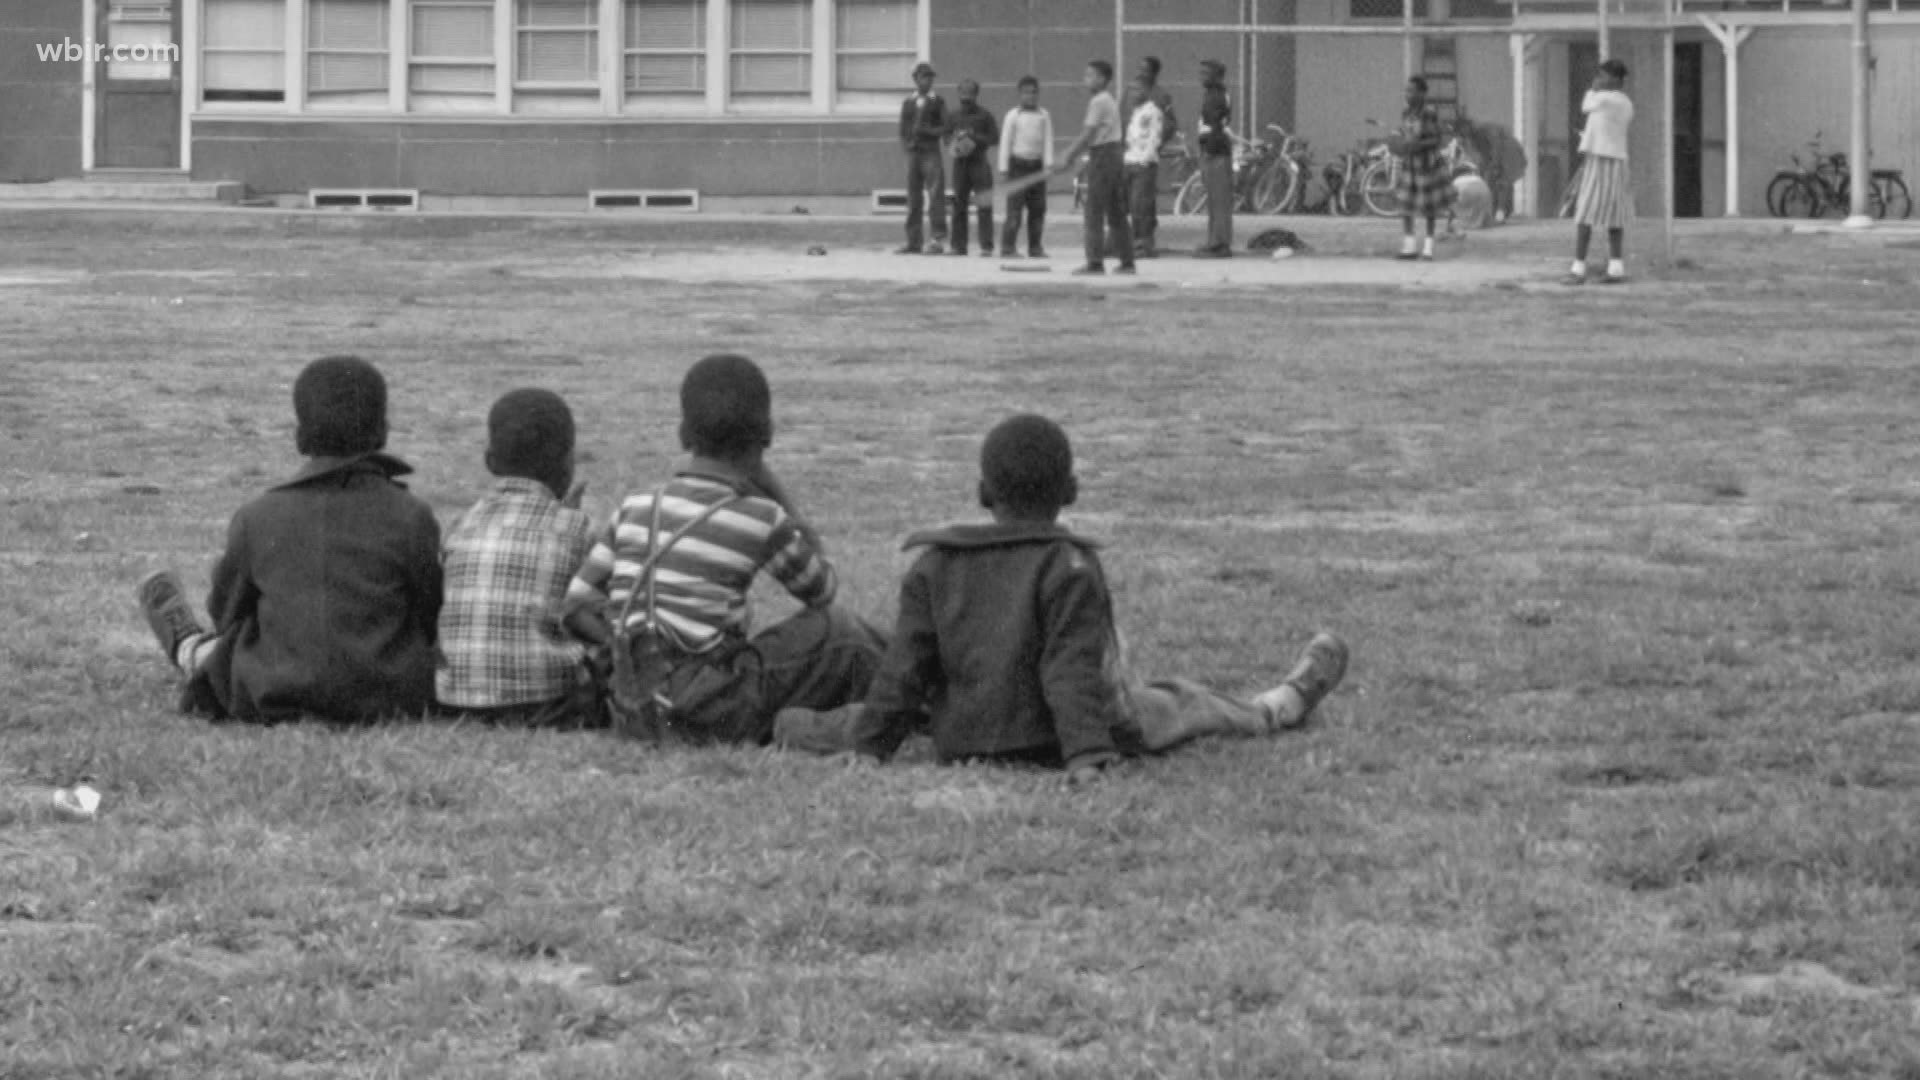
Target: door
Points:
(138, 72)
(1689, 127)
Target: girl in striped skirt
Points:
(1605, 198)
(1426, 180)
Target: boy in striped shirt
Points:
(725, 686)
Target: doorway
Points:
(137, 119)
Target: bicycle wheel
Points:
(1777, 192)
(1800, 200)
(1379, 191)
(1191, 198)
(1896, 200)
(1277, 188)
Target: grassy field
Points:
(1622, 783)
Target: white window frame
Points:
(607, 96)
(350, 100)
(594, 27)
(855, 101)
(665, 102)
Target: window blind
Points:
(666, 43)
(346, 45)
(772, 46)
(877, 41)
(243, 47)
(452, 47)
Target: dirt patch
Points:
(1797, 980)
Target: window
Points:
(141, 35)
(772, 48)
(346, 47)
(1376, 10)
(1480, 10)
(452, 47)
(243, 53)
(876, 43)
(666, 47)
(558, 43)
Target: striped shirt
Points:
(701, 584)
(508, 563)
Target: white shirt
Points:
(1026, 133)
(1143, 134)
(1608, 114)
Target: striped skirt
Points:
(1605, 200)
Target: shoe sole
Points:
(1326, 659)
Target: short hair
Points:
(1419, 81)
(969, 84)
(1028, 81)
(726, 407)
(1152, 64)
(923, 68)
(529, 433)
(340, 406)
(1615, 68)
(1214, 67)
(1105, 69)
(1027, 463)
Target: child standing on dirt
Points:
(1026, 148)
(1426, 181)
(1006, 640)
(326, 600)
(1605, 198)
(974, 134)
(508, 563)
(716, 524)
(923, 122)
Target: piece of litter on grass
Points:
(80, 803)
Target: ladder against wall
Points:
(1440, 66)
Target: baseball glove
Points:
(963, 145)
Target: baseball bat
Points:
(1007, 189)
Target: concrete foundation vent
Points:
(362, 199)
(894, 201)
(686, 201)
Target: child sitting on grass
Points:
(733, 519)
(508, 564)
(1007, 639)
(326, 599)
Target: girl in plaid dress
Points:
(1426, 185)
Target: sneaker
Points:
(957, 251)
(1038, 253)
(908, 250)
(1212, 253)
(1090, 271)
(1125, 268)
(164, 602)
(1320, 669)
(937, 247)
(1614, 279)
(1009, 255)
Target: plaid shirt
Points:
(508, 563)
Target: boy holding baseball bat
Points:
(1101, 140)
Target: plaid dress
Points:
(1426, 188)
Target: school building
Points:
(544, 101)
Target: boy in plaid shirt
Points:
(508, 563)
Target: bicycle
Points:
(1252, 159)
(1281, 184)
(1828, 185)
(1380, 182)
(1176, 165)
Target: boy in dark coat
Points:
(325, 601)
(975, 134)
(923, 122)
(1006, 639)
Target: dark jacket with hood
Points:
(1004, 641)
(327, 599)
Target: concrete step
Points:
(99, 189)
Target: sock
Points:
(1407, 245)
(1616, 268)
(1579, 269)
(1283, 705)
(192, 652)
(1426, 246)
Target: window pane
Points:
(878, 24)
(243, 71)
(558, 56)
(558, 12)
(245, 24)
(772, 74)
(346, 71)
(347, 24)
(666, 24)
(449, 79)
(1480, 9)
(462, 32)
(773, 24)
(874, 71)
(666, 74)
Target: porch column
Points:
(1520, 48)
(1730, 38)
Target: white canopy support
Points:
(1730, 39)
(1520, 49)
(1859, 154)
